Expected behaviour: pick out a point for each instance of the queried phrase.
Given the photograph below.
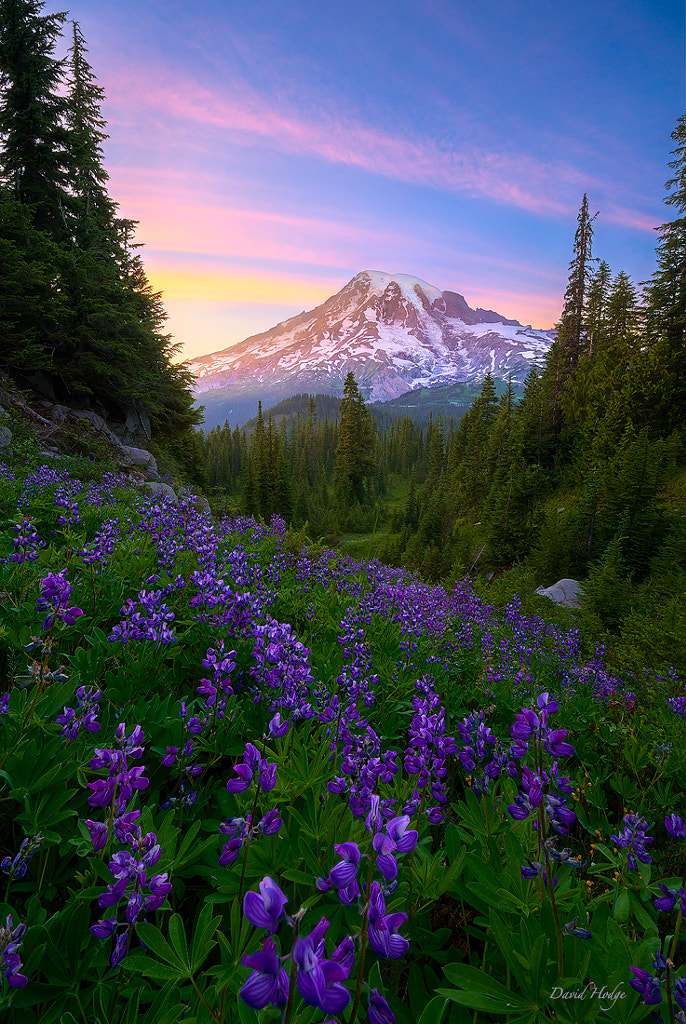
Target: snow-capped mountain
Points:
(395, 332)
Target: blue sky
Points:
(273, 150)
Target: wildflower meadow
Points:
(246, 781)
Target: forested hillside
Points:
(79, 322)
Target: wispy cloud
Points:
(508, 177)
(181, 215)
(627, 218)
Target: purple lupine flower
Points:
(675, 826)
(383, 928)
(396, 840)
(374, 820)
(105, 928)
(526, 723)
(85, 715)
(555, 743)
(579, 933)
(344, 873)
(271, 823)
(633, 837)
(647, 986)
(132, 885)
(669, 900)
(98, 834)
(320, 980)
(10, 961)
(238, 830)
(378, 1011)
(267, 776)
(16, 867)
(253, 762)
(265, 910)
(277, 728)
(55, 592)
(679, 992)
(268, 982)
(344, 953)
(159, 890)
(244, 773)
(26, 543)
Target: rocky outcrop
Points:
(126, 455)
(565, 592)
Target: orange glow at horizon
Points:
(214, 286)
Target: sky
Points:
(271, 150)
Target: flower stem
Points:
(363, 947)
(247, 844)
(553, 902)
(677, 929)
(419, 819)
(202, 997)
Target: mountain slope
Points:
(394, 332)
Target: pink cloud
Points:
(179, 214)
(514, 179)
(630, 218)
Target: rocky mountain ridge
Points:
(395, 332)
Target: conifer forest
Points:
(286, 733)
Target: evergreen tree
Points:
(622, 309)
(596, 308)
(571, 335)
(355, 461)
(666, 291)
(33, 136)
(94, 210)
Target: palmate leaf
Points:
(157, 944)
(145, 965)
(203, 942)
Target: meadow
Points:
(246, 781)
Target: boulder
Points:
(5, 437)
(201, 503)
(565, 592)
(138, 457)
(159, 489)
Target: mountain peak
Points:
(395, 332)
(377, 281)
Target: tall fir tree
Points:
(571, 335)
(355, 461)
(666, 291)
(94, 210)
(596, 308)
(33, 136)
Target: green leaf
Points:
(622, 906)
(156, 943)
(177, 937)
(477, 981)
(478, 1001)
(202, 937)
(433, 1011)
(145, 965)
